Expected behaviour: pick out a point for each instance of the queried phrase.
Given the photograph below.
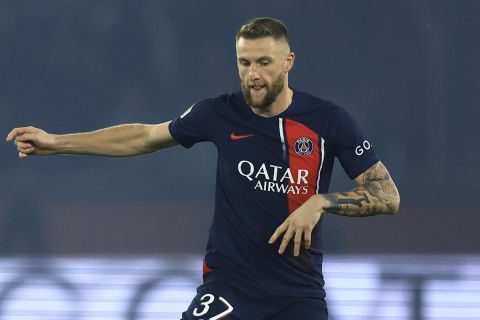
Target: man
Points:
(276, 149)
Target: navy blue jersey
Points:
(268, 167)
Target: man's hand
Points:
(300, 224)
(32, 141)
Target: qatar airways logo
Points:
(271, 178)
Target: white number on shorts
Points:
(206, 306)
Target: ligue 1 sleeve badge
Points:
(303, 146)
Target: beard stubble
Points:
(270, 96)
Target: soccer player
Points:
(276, 148)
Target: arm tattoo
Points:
(375, 194)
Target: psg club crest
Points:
(303, 146)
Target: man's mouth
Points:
(257, 87)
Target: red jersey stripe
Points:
(206, 269)
(304, 154)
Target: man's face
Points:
(262, 66)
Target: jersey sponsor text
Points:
(272, 178)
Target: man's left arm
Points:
(374, 194)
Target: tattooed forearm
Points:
(348, 200)
(376, 193)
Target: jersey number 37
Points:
(207, 300)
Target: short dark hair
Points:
(263, 27)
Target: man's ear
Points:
(289, 61)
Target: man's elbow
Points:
(394, 205)
(391, 196)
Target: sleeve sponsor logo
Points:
(359, 150)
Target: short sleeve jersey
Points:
(268, 167)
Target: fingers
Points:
(281, 229)
(25, 137)
(12, 134)
(307, 237)
(21, 136)
(292, 232)
(18, 132)
(286, 239)
(297, 242)
(24, 147)
(22, 155)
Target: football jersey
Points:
(267, 167)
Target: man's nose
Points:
(253, 72)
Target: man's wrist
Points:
(325, 201)
(329, 202)
(58, 143)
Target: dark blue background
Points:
(406, 70)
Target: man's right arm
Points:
(117, 141)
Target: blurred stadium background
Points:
(103, 238)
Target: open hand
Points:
(300, 224)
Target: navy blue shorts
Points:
(217, 300)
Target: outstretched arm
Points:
(118, 141)
(374, 194)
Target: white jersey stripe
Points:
(321, 163)
(282, 138)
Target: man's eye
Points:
(244, 63)
(264, 63)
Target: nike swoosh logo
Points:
(233, 136)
